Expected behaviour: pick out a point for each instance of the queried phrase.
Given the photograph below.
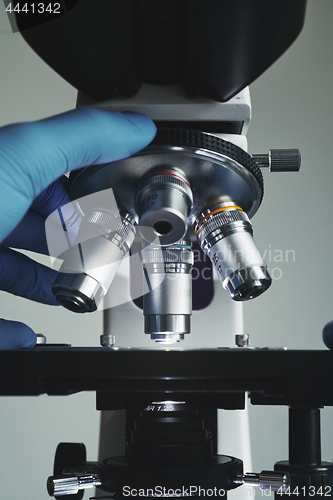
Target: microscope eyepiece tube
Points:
(224, 232)
(92, 262)
(168, 307)
(163, 200)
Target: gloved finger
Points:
(22, 276)
(14, 335)
(55, 200)
(29, 234)
(50, 199)
(33, 155)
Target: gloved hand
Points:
(32, 156)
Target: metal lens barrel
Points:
(92, 262)
(224, 232)
(163, 200)
(168, 305)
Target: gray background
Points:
(292, 107)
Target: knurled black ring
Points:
(200, 140)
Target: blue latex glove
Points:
(32, 157)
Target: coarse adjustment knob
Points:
(279, 160)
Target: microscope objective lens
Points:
(224, 232)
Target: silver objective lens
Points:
(163, 201)
(168, 306)
(92, 262)
(224, 232)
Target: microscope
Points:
(179, 209)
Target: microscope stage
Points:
(211, 377)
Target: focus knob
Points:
(279, 160)
(67, 455)
(64, 486)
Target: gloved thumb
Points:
(15, 335)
